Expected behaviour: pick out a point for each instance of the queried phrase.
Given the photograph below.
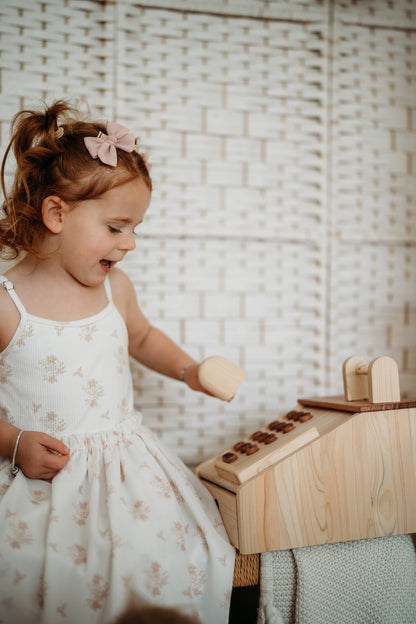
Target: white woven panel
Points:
(51, 49)
(233, 113)
(374, 139)
(259, 9)
(373, 216)
(395, 14)
(282, 227)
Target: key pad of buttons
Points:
(266, 436)
(270, 441)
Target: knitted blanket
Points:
(360, 582)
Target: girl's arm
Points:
(158, 352)
(39, 455)
(8, 435)
(149, 345)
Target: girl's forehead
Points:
(129, 198)
(134, 190)
(136, 186)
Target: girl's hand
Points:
(40, 456)
(191, 379)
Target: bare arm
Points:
(149, 345)
(158, 352)
(8, 435)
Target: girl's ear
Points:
(53, 209)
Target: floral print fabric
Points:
(124, 517)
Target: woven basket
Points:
(247, 570)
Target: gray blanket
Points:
(360, 582)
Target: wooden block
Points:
(355, 376)
(378, 381)
(221, 377)
(227, 505)
(383, 380)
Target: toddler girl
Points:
(92, 508)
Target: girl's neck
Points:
(48, 292)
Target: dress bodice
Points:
(66, 377)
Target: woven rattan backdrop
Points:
(283, 140)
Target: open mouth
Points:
(106, 265)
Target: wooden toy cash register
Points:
(333, 469)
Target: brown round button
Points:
(299, 415)
(253, 448)
(256, 435)
(281, 425)
(229, 458)
(262, 437)
(305, 417)
(291, 415)
(288, 428)
(239, 446)
(274, 426)
(270, 438)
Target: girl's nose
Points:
(128, 242)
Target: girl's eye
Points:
(114, 230)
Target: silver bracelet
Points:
(182, 373)
(15, 469)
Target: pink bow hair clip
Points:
(104, 146)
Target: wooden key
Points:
(221, 377)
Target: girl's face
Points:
(97, 233)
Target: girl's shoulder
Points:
(121, 285)
(9, 318)
(122, 291)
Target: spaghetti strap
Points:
(8, 285)
(108, 289)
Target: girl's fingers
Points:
(55, 446)
(48, 476)
(52, 466)
(55, 462)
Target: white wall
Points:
(283, 139)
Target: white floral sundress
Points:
(124, 517)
